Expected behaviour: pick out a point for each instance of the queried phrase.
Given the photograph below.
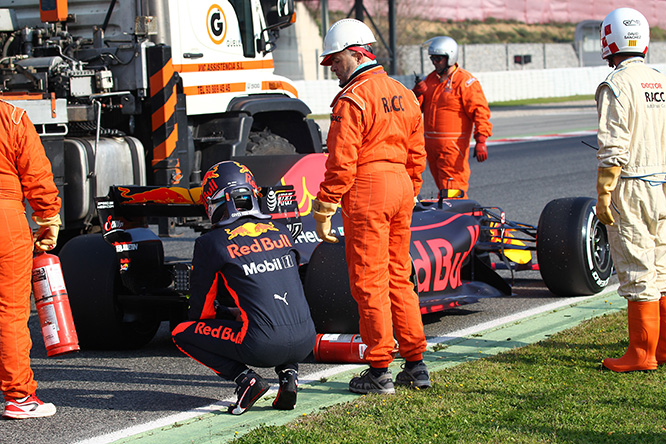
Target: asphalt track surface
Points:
(136, 396)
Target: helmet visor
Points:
(242, 198)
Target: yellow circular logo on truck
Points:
(216, 23)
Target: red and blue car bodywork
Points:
(456, 247)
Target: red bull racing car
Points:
(121, 287)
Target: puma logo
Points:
(281, 298)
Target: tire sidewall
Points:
(596, 276)
(565, 247)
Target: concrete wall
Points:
(500, 57)
(297, 56)
(499, 86)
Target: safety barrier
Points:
(499, 86)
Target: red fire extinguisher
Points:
(55, 314)
(343, 348)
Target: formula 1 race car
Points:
(121, 288)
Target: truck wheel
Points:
(327, 290)
(265, 143)
(92, 277)
(572, 248)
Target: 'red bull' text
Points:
(258, 245)
(221, 332)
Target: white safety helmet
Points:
(344, 34)
(624, 31)
(443, 46)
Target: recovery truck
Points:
(144, 96)
(148, 92)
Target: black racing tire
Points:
(65, 235)
(326, 285)
(265, 143)
(92, 277)
(572, 248)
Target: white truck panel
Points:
(206, 43)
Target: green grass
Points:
(541, 100)
(553, 391)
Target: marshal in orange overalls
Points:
(25, 172)
(452, 107)
(374, 167)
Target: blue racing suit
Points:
(252, 264)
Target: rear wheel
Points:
(572, 248)
(327, 290)
(265, 143)
(92, 277)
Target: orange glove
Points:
(420, 88)
(606, 182)
(322, 213)
(46, 236)
(480, 149)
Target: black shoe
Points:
(286, 396)
(368, 383)
(416, 377)
(250, 388)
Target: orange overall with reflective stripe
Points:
(25, 171)
(375, 164)
(452, 108)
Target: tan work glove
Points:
(606, 182)
(322, 213)
(46, 236)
